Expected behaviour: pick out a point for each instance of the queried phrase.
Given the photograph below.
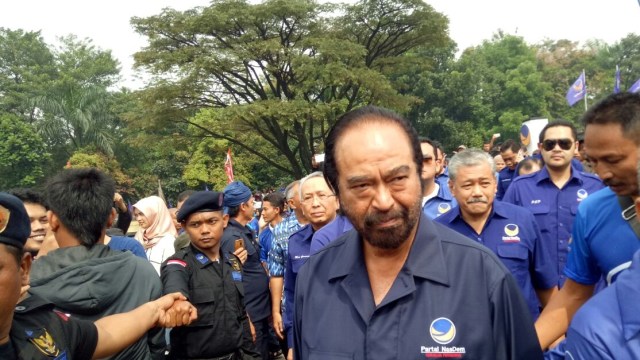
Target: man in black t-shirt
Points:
(30, 328)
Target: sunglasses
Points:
(550, 144)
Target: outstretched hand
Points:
(175, 310)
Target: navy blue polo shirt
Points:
(330, 232)
(555, 209)
(608, 325)
(255, 280)
(299, 252)
(511, 233)
(504, 181)
(452, 298)
(439, 204)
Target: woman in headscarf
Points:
(157, 232)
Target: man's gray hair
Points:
(310, 176)
(469, 157)
(288, 191)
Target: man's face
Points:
(319, 204)
(557, 139)
(13, 276)
(474, 189)
(429, 166)
(613, 157)
(499, 162)
(269, 212)
(509, 158)
(39, 227)
(205, 229)
(249, 208)
(174, 213)
(379, 185)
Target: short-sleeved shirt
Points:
(439, 204)
(279, 247)
(40, 332)
(330, 232)
(512, 234)
(505, 176)
(608, 325)
(452, 298)
(215, 289)
(127, 244)
(299, 252)
(602, 243)
(257, 297)
(555, 209)
(266, 240)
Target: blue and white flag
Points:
(635, 87)
(616, 84)
(577, 91)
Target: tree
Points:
(22, 152)
(281, 71)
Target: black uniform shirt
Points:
(39, 332)
(215, 289)
(255, 279)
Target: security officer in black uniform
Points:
(212, 281)
(31, 328)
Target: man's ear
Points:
(637, 206)
(451, 187)
(25, 268)
(112, 217)
(54, 221)
(225, 220)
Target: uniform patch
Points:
(177, 262)
(582, 194)
(4, 218)
(442, 331)
(443, 208)
(511, 231)
(43, 342)
(202, 259)
(236, 267)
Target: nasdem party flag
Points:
(635, 87)
(616, 82)
(577, 91)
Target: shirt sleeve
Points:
(275, 258)
(513, 333)
(579, 347)
(289, 291)
(175, 277)
(82, 335)
(580, 267)
(544, 274)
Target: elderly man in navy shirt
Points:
(554, 193)
(509, 231)
(400, 286)
(319, 205)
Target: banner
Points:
(228, 167)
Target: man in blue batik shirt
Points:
(436, 198)
(554, 193)
(508, 230)
(276, 259)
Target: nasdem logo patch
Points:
(442, 331)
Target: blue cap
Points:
(236, 193)
(15, 226)
(200, 201)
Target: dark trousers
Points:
(262, 337)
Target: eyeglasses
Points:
(310, 197)
(550, 144)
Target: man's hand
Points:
(174, 310)
(253, 331)
(242, 254)
(278, 326)
(119, 202)
(290, 354)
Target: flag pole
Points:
(586, 90)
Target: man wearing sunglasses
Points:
(554, 193)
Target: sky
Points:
(106, 23)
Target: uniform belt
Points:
(232, 356)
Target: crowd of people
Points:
(391, 251)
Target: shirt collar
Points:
(426, 245)
(543, 175)
(498, 209)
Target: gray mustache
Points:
(477, 200)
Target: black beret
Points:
(200, 201)
(15, 226)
